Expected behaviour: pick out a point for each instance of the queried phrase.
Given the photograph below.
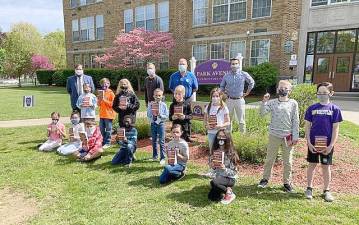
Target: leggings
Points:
(219, 187)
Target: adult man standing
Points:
(233, 85)
(75, 84)
(185, 78)
(152, 82)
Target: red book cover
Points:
(86, 102)
(71, 134)
(121, 134)
(83, 138)
(172, 156)
(212, 121)
(101, 94)
(288, 140)
(178, 110)
(155, 108)
(218, 159)
(320, 142)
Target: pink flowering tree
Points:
(135, 49)
(41, 62)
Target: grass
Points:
(350, 130)
(69, 192)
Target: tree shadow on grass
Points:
(147, 182)
(196, 197)
(136, 167)
(34, 142)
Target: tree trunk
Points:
(20, 81)
(138, 83)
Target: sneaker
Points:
(228, 198)
(210, 174)
(128, 165)
(134, 158)
(288, 188)
(309, 193)
(106, 146)
(153, 159)
(181, 176)
(162, 162)
(328, 197)
(263, 183)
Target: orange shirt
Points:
(106, 111)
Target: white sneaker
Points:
(328, 197)
(308, 193)
(106, 146)
(162, 162)
(228, 198)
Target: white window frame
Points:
(75, 21)
(243, 53)
(206, 8)
(129, 16)
(224, 50)
(90, 30)
(153, 16)
(270, 11)
(229, 13)
(164, 16)
(329, 2)
(250, 50)
(98, 27)
(92, 63)
(206, 53)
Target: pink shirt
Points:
(54, 133)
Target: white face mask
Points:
(323, 98)
(235, 67)
(215, 100)
(79, 72)
(151, 72)
(182, 68)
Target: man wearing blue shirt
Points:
(185, 78)
(233, 86)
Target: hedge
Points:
(45, 76)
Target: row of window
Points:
(259, 51)
(76, 3)
(229, 10)
(88, 28)
(330, 2)
(145, 17)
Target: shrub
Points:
(197, 127)
(265, 76)
(142, 125)
(45, 76)
(250, 147)
(58, 78)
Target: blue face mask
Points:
(75, 121)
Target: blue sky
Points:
(46, 15)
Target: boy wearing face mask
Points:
(132, 104)
(55, 133)
(107, 114)
(87, 103)
(321, 122)
(157, 119)
(283, 132)
(176, 171)
(152, 82)
(75, 142)
(93, 149)
(127, 146)
(183, 119)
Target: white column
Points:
(193, 62)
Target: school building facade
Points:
(262, 30)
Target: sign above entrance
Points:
(212, 71)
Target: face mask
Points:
(124, 88)
(235, 67)
(55, 121)
(283, 92)
(158, 98)
(323, 98)
(151, 72)
(215, 100)
(127, 125)
(87, 91)
(79, 72)
(90, 131)
(182, 68)
(75, 121)
(221, 142)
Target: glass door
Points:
(323, 68)
(341, 72)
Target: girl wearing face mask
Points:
(55, 133)
(74, 137)
(225, 175)
(128, 145)
(92, 148)
(107, 114)
(321, 123)
(125, 102)
(87, 103)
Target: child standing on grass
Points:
(157, 113)
(321, 123)
(177, 169)
(225, 171)
(87, 103)
(128, 145)
(181, 113)
(126, 102)
(75, 142)
(107, 114)
(55, 133)
(283, 132)
(92, 145)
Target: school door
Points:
(334, 68)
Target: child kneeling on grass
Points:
(283, 132)
(74, 136)
(180, 149)
(91, 144)
(322, 130)
(128, 144)
(55, 133)
(224, 161)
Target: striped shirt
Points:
(233, 83)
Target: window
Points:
(325, 42)
(163, 16)
(87, 29)
(200, 10)
(75, 30)
(99, 27)
(140, 17)
(145, 17)
(311, 43)
(164, 62)
(345, 41)
(93, 63)
(82, 2)
(261, 8)
(90, 1)
(74, 3)
(86, 60)
(237, 47)
(229, 10)
(77, 59)
(259, 52)
(150, 17)
(128, 18)
(199, 52)
(217, 50)
(330, 2)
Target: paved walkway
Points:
(350, 112)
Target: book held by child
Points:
(218, 159)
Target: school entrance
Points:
(333, 56)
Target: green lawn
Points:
(69, 192)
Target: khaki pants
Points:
(237, 106)
(272, 152)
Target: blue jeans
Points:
(171, 172)
(125, 155)
(158, 130)
(106, 129)
(211, 138)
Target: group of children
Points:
(87, 141)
